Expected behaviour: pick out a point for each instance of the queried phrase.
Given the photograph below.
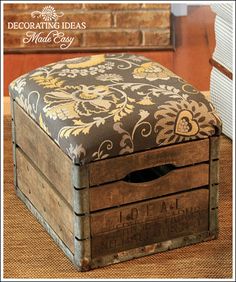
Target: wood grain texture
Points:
(120, 192)
(46, 155)
(214, 180)
(215, 147)
(149, 222)
(179, 155)
(152, 249)
(29, 252)
(45, 224)
(13, 132)
(46, 200)
(214, 172)
(161, 208)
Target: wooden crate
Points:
(120, 208)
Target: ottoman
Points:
(116, 156)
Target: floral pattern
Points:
(82, 101)
(183, 120)
(109, 77)
(76, 152)
(102, 106)
(152, 71)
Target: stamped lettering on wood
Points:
(147, 223)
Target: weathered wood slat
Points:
(120, 192)
(214, 196)
(214, 183)
(214, 222)
(13, 140)
(82, 240)
(214, 170)
(161, 208)
(214, 147)
(55, 210)
(178, 155)
(45, 154)
(45, 225)
(152, 249)
(151, 222)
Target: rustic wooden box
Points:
(116, 156)
(121, 208)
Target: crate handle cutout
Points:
(149, 174)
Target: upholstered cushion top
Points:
(103, 106)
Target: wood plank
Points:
(13, 135)
(215, 147)
(214, 197)
(152, 249)
(120, 192)
(161, 208)
(214, 183)
(44, 153)
(46, 200)
(44, 223)
(178, 155)
(150, 222)
(214, 221)
(214, 172)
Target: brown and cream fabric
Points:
(103, 106)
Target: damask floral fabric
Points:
(103, 106)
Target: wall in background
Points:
(108, 26)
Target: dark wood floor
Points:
(195, 43)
